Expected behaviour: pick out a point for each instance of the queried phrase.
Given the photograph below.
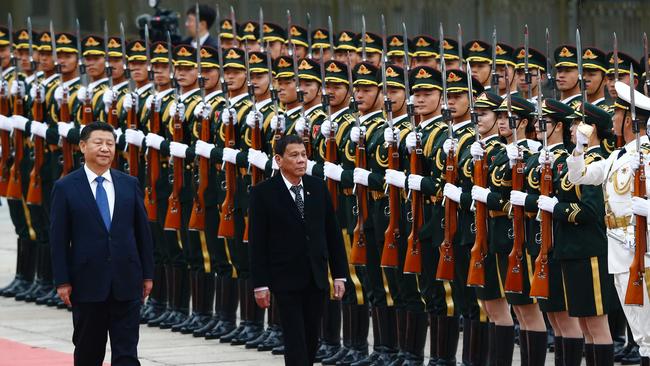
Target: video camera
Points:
(163, 21)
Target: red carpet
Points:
(20, 354)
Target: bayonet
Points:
(57, 66)
(363, 38)
(234, 25)
(446, 113)
(549, 65)
(171, 66)
(107, 65)
(222, 81)
(494, 84)
(460, 47)
(330, 28)
(388, 105)
(528, 77)
(290, 48)
(199, 67)
(636, 124)
(125, 60)
(81, 61)
(12, 56)
(583, 88)
(150, 73)
(309, 52)
(616, 58)
(261, 30)
(32, 63)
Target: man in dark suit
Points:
(294, 235)
(207, 16)
(102, 252)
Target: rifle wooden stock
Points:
(514, 275)
(476, 271)
(153, 170)
(87, 113)
(539, 286)
(197, 218)
(634, 293)
(6, 148)
(257, 175)
(227, 219)
(359, 248)
(331, 156)
(447, 259)
(173, 217)
(306, 139)
(35, 190)
(389, 254)
(66, 147)
(15, 186)
(413, 260)
(113, 121)
(134, 151)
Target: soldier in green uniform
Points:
(94, 58)
(452, 54)
(537, 69)
(558, 118)
(312, 114)
(346, 46)
(226, 34)
(479, 54)
(395, 51)
(580, 241)
(506, 68)
(566, 65)
(594, 66)
(297, 35)
(425, 51)
(274, 39)
(372, 50)
(624, 62)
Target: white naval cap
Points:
(623, 99)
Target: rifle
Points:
(306, 137)
(619, 138)
(494, 82)
(539, 286)
(4, 136)
(460, 48)
(132, 114)
(112, 109)
(476, 271)
(14, 189)
(413, 260)
(66, 158)
(549, 66)
(514, 274)
(330, 144)
(358, 253)
(389, 255)
(277, 132)
(173, 217)
(447, 259)
(364, 57)
(227, 209)
(35, 190)
(634, 293)
(528, 78)
(87, 109)
(153, 156)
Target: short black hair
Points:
(96, 126)
(206, 14)
(281, 144)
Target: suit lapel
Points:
(285, 196)
(117, 187)
(87, 195)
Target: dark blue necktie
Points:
(102, 202)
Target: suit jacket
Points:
(85, 254)
(286, 251)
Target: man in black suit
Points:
(294, 235)
(207, 16)
(102, 251)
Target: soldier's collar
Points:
(144, 88)
(338, 113)
(162, 94)
(554, 146)
(71, 81)
(457, 126)
(213, 94)
(370, 115)
(120, 85)
(630, 147)
(237, 98)
(92, 85)
(399, 119)
(426, 122)
(491, 137)
(8, 70)
(187, 94)
(592, 148)
(599, 100)
(569, 99)
(312, 108)
(50, 78)
(263, 103)
(31, 78)
(292, 110)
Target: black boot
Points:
(359, 324)
(603, 354)
(590, 356)
(558, 347)
(180, 298)
(275, 337)
(30, 250)
(243, 312)
(632, 357)
(403, 333)
(573, 348)
(157, 298)
(480, 343)
(195, 298)
(169, 282)
(213, 303)
(492, 345)
(645, 361)
(467, 341)
(254, 317)
(416, 337)
(21, 281)
(346, 310)
(433, 339)
(330, 330)
(537, 346)
(203, 313)
(505, 344)
(229, 300)
(388, 329)
(377, 347)
(44, 275)
(447, 342)
(523, 347)
(254, 343)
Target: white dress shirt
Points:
(107, 184)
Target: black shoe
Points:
(189, 320)
(370, 360)
(632, 358)
(44, 300)
(161, 318)
(275, 339)
(60, 304)
(618, 356)
(354, 355)
(336, 356)
(23, 295)
(201, 332)
(41, 291)
(249, 333)
(254, 343)
(176, 317)
(222, 328)
(199, 322)
(227, 338)
(326, 350)
(17, 286)
(51, 302)
(279, 350)
(154, 312)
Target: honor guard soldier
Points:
(594, 65)
(624, 62)
(479, 54)
(566, 65)
(274, 39)
(425, 51)
(617, 175)
(536, 68)
(452, 55)
(226, 34)
(395, 51)
(505, 60)
(248, 35)
(372, 51)
(346, 45)
(94, 59)
(297, 38)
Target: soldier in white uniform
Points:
(616, 174)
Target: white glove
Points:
(480, 194)
(19, 122)
(391, 136)
(64, 128)
(640, 206)
(177, 149)
(518, 198)
(274, 165)
(332, 171)
(361, 176)
(415, 182)
(254, 118)
(134, 137)
(310, 166)
(118, 133)
(202, 109)
(278, 122)
(395, 177)
(411, 141)
(257, 158)
(17, 88)
(153, 102)
(634, 160)
(230, 155)
(546, 203)
(39, 129)
(153, 140)
(108, 97)
(37, 87)
(452, 192)
(513, 153)
(203, 148)
(58, 95)
(544, 156)
(177, 108)
(476, 150)
(300, 126)
(129, 101)
(83, 94)
(581, 141)
(327, 126)
(228, 115)
(5, 123)
(449, 144)
(148, 101)
(355, 133)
